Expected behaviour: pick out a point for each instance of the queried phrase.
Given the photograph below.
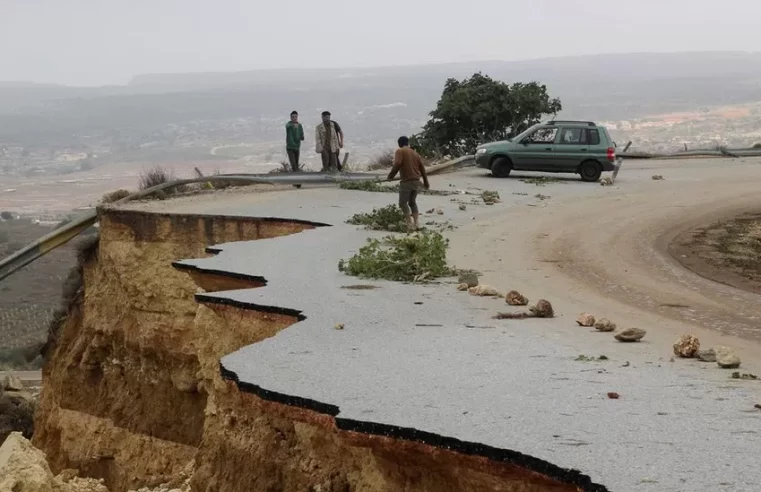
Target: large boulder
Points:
(604, 324)
(687, 346)
(12, 383)
(515, 298)
(542, 309)
(726, 357)
(23, 468)
(630, 335)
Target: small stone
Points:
(543, 309)
(339, 326)
(515, 298)
(469, 278)
(585, 319)
(726, 358)
(630, 335)
(484, 291)
(706, 355)
(604, 324)
(12, 383)
(430, 211)
(606, 181)
(757, 405)
(613, 395)
(462, 206)
(462, 287)
(687, 346)
(439, 211)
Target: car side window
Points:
(542, 136)
(573, 136)
(594, 137)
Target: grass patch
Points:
(21, 358)
(540, 180)
(382, 161)
(374, 186)
(416, 257)
(114, 196)
(390, 218)
(16, 415)
(490, 197)
(586, 358)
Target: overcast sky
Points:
(94, 42)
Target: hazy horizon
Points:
(89, 43)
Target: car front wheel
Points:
(590, 171)
(501, 167)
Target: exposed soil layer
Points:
(133, 390)
(728, 251)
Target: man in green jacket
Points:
(294, 134)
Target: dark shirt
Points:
(294, 134)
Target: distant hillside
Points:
(609, 87)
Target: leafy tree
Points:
(478, 110)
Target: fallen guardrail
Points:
(69, 231)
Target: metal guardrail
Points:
(69, 231)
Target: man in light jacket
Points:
(327, 143)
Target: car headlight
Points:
(480, 151)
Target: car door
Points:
(571, 148)
(535, 151)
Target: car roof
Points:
(571, 123)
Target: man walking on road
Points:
(408, 163)
(327, 143)
(294, 134)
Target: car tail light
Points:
(611, 154)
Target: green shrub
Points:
(416, 257)
(390, 218)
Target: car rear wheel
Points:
(501, 167)
(590, 171)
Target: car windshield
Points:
(518, 137)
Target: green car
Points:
(580, 147)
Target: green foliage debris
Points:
(390, 218)
(417, 257)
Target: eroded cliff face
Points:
(133, 391)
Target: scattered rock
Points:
(745, 376)
(613, 395)
(604, 324)
(23, 468)
(463, 287)
(687, 346)
(757, 405)
(339, 326)
(12, 383)
(439, 211)
(585, 319)
(463, 206)
(430, 211)
(657, 177)
(606, 181)
(726, 358)
(543, 309)
(469, 278)
(706, 355)
(515, 298)
(484, 291)
(630, 335)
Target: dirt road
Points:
(606, 251)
